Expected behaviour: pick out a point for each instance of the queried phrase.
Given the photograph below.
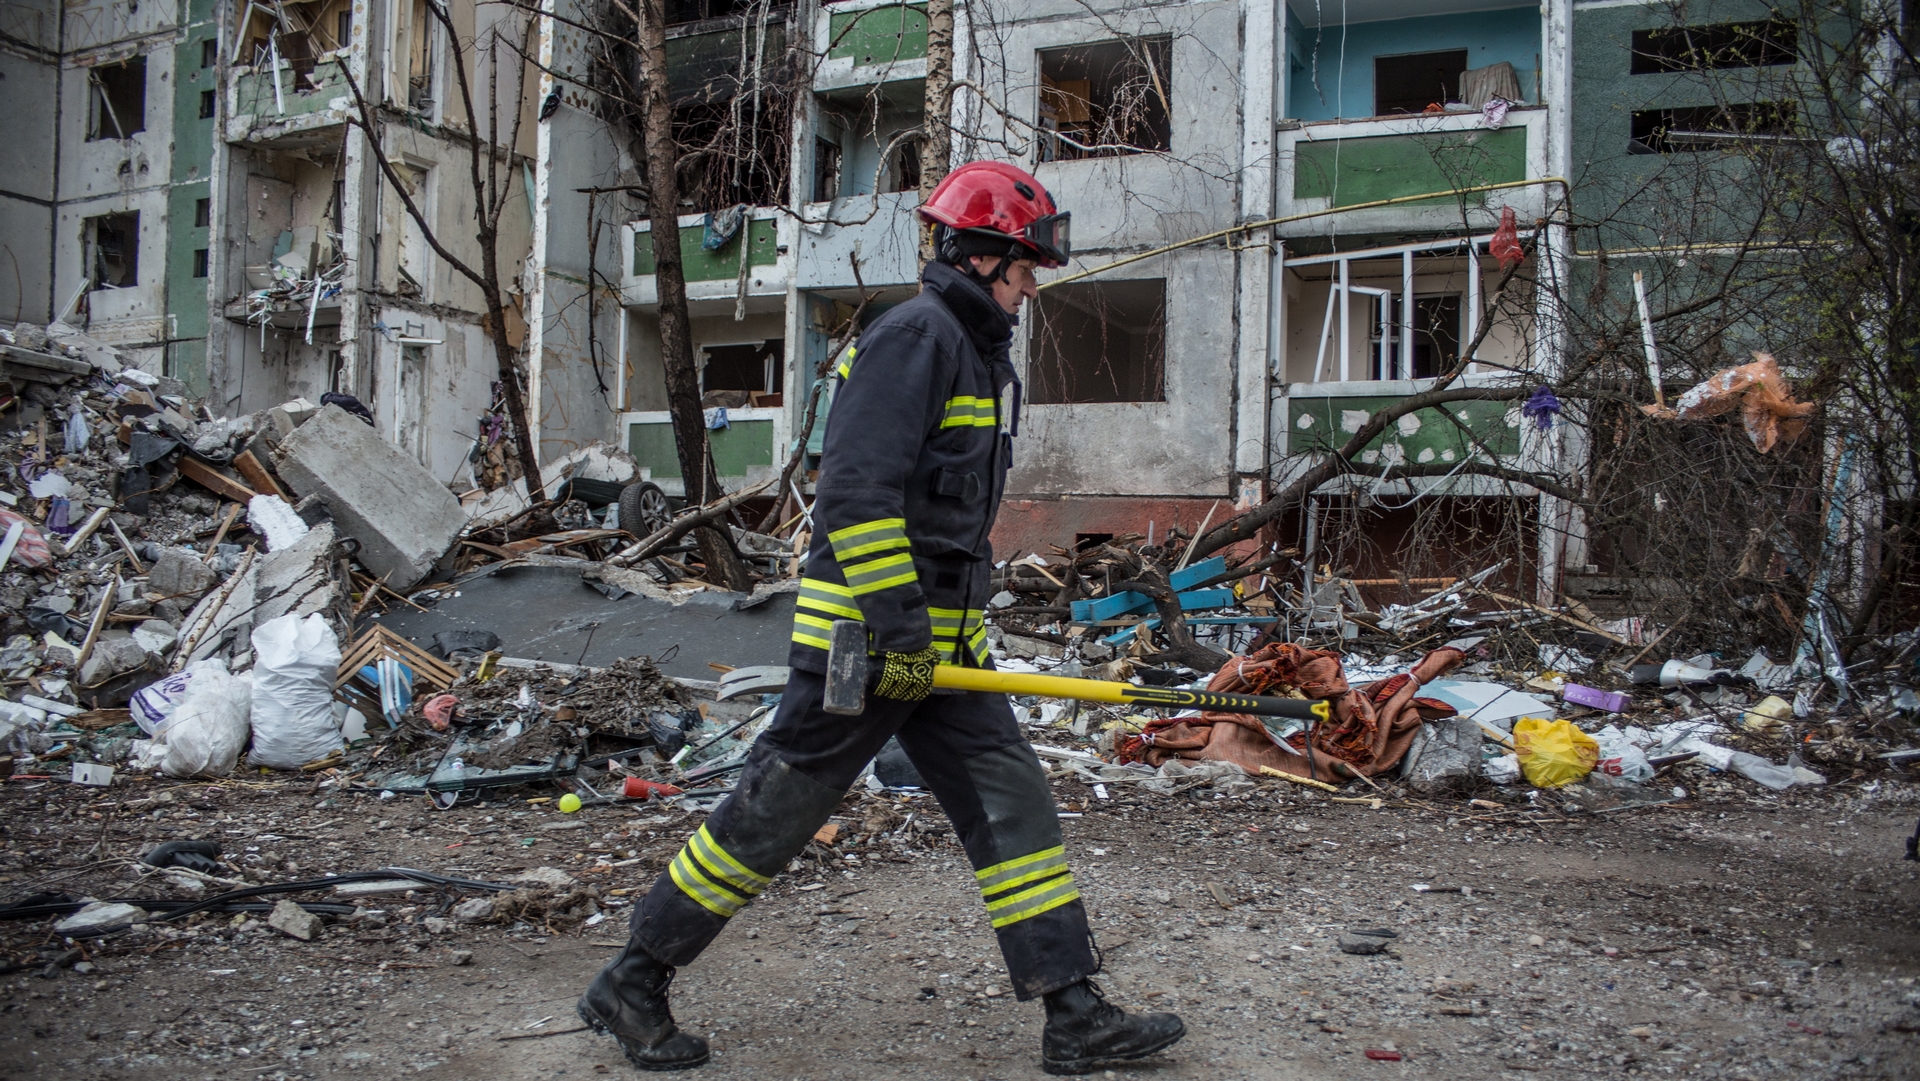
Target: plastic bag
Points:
(1553, 753)
(208, 726)
(1620, 758)
(294, 664)
(154, 705)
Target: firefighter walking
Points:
(918, 445)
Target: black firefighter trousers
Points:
(970, 752)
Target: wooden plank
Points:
(1199, 572)
(213, 481)
(257, 475)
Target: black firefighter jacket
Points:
(911, 475)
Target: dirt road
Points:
(1754, 937)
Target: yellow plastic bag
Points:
(1553, 753)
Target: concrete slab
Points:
(404, 519)
(549, 613)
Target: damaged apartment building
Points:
(198, 196)
(1184, 379)
(273, 259)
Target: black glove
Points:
(907, 677)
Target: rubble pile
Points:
(1467, 692)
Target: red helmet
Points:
(997, 200)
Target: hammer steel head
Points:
(846, 692)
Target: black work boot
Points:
(629, 1000)
(1083, 1028)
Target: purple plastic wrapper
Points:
(1611, 701)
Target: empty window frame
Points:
(1766, 43)
(1436, 333)
(202, 213)
(1708, 127)
(209, 53)
(206, 104)
(903, 168)
(113, 250)
(1104, 100)
(1411, 82)
(741, 375)
(1099, 342)
(420, 56)
(826, 171)
(117, 99)
(200, 262)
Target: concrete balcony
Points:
(276, 107)
(864, 42)
(1348, 163)
(713, 276)
(881, 231)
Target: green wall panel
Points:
(1389, 166)
(879, 35)
(706, 266)
(1424, 437)
(736, 449)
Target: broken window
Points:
(299, 34)
(903, 171)
(744, 375)
(1104, 100)
(826, 171)
(874, 141)
(200, 262)
(1411, 82)
(209, 52)
(1436, 333)
(118, 99)
(1708, 127)
(415, 267)
(1099, 342)
(113, 250)
(1766, 43)
(731, 119)
(206, 104)
(202, 213)
(420, 59)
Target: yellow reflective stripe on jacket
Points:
(879, 535)
(828, 597)
(805, 626)
(968, 411)
(1027, 904)
(1028, 868)
(878, 574)
(978, 643)
(846, 365)
(821, 603)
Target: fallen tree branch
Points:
(681, 526)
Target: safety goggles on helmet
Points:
(1051, 236)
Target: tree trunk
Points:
(509, 377)
(676, 333)
(936, 150)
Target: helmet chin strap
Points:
(951, 254)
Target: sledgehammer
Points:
(846, 691)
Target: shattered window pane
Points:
(118, 99)
(1099, 342)
(1101, 101)
(113, 250)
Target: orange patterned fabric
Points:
(1370, 730)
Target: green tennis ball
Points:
(569, 803)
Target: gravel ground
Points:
(1746, 937)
